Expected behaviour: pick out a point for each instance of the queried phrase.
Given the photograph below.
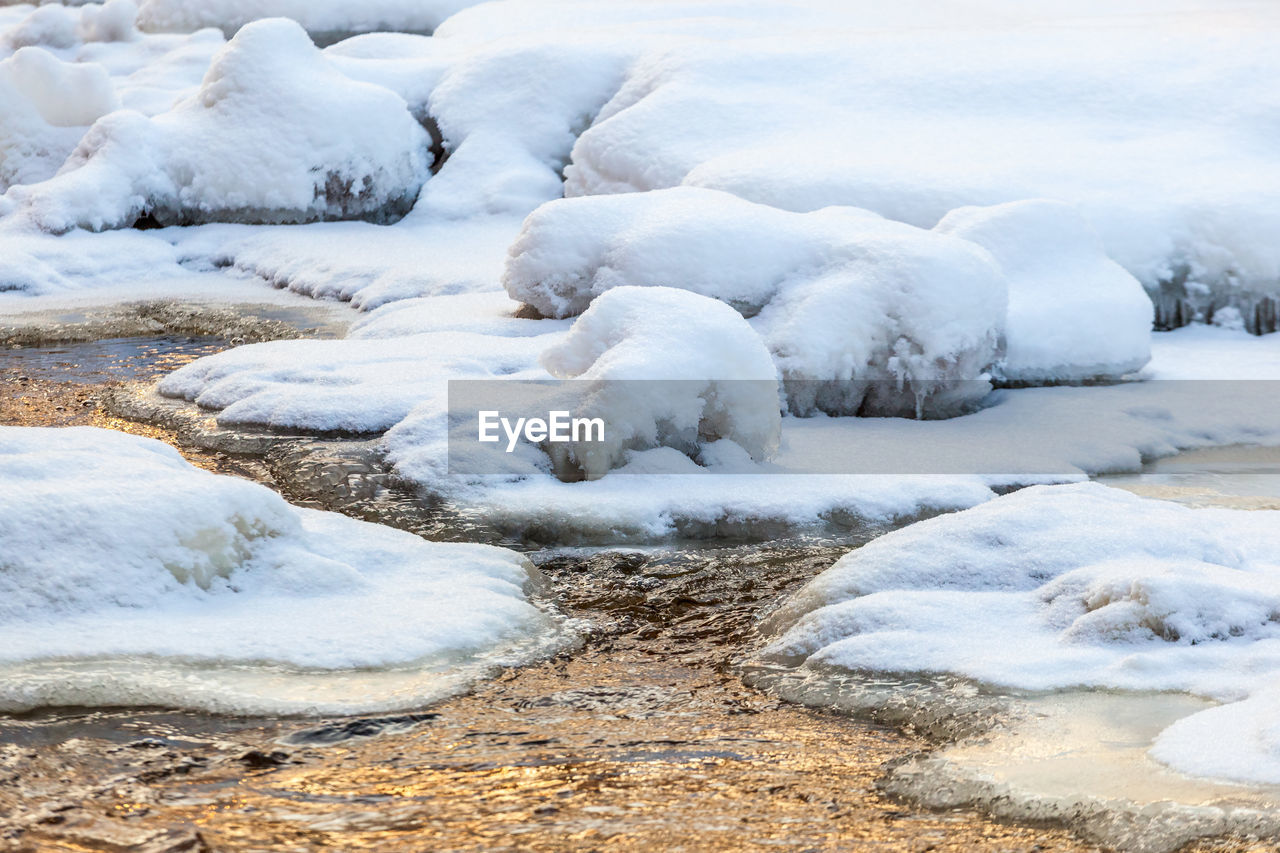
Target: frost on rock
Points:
(130, 577)
(274, 134)
(1074, 314)
(325, 20)
(1059, 587)
(665, 368)
(862, 315)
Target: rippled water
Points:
(99, 362)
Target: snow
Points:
(663, 367)
(1074, 314)
(1069, 586)
(124, 563)
(362, 385)
(66, 94)
(321, 18)
(863, 315)
(915, 113)
(257, 143)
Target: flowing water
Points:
(645, 736)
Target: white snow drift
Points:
(1069, 586)
(121, 565)
(259, 142)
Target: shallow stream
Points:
(644, 737)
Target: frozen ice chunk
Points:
(1074, 314)
(666, 368)
(120, 562)
(273, 135)
(862, 315)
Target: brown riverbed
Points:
(643, 738)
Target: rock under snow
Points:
(325, 20)
(664, 368)
(273, 135)
(1074, 314)
(862, 315)
(131, 577)
(1069, 586)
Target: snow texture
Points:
(1074, 314)
(665, 368)
(122, 561)
(257, 143)
(1069, 586)
(863, 315)
(323, 19)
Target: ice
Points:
(1069, 586)
(123, 563)
(1074, 314)
(629, 346)
(257, 143)
(863, 315)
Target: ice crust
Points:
(1068, 586)
(119, 557)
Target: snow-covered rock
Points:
(863, 315)
(131, 577)
(45, 106)
(273, 135)
(325, 20)
(915, 109)
(1074, 314)
(1068, 586)
(366, 385)
(664, 368)
(59, 26)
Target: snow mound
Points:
(665, 368)
(1074, 314)
(1067, 586)
(57, 26)
(123, 564)
(258, 143)
(1007, 102)
(325, 20)
(45, 106)
(862, 315)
